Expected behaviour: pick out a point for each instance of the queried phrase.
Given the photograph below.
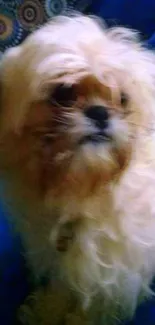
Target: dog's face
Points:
(73, 98)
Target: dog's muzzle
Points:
(99, 117)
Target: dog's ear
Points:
(8, 89)
(1, 60)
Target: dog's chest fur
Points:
(110, 258)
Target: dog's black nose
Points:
(99, 115)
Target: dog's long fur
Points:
(102, 195)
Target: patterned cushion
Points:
(20, 17)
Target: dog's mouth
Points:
(95, 138)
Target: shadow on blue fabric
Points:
(14, 284)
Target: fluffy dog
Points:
(77, 156)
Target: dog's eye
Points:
(124, 100)
(64, 95)
(124, 104)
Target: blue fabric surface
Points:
(13, 273)
(151, 42)
(145, 314)
(135, 14)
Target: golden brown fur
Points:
(95, 203)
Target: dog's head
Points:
(75, 101)
(74, 96)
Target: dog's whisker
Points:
(142, 126)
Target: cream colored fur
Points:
(107, 192)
